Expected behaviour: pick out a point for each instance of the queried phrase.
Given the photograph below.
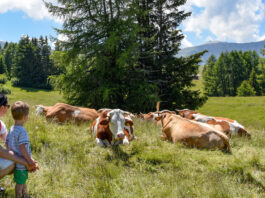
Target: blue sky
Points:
(211, 20)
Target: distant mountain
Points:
(2, 43)
(216, 47)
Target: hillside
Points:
(71, 165)
(217, 47)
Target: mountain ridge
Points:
(216, 47)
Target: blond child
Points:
(17, 140)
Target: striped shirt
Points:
(18, 135)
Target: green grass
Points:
(72, 166)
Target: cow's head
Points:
(164, 116)
(186, 113)
(116, 121)
(39, 109)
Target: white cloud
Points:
(237, 20)
(33, 8)
(185, 43)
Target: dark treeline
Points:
(28, 62)
(235, 73)
(122, 54)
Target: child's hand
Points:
(32, 166)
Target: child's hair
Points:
(19, 109)
(3, 100)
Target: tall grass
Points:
(72, 166)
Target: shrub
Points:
(245, 89)
(3, 79)
(15, 81)
(5, 90)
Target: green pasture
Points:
(72, 166)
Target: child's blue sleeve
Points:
(23, 137)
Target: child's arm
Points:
(24, 152)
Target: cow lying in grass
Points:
(62, 113)
(112, 127)
(154, 116)
(191, 133)
(226, 125)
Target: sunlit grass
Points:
(71, 165)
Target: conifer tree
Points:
(2, 65)
(254, 82)
(10, 57)
(123, 54)
(209, 76)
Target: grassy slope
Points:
(72, 166)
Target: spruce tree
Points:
(254, 82)
(10, 57)
(160, 41)
(245, 89)
(209, 76)
(123, 53)
(2, 65)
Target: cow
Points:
(191, 133)
(62, 113)
(112, 127)
(154, 116)
(148, 116)
(226, 125)
(160, 113)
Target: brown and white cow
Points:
(226, 125)
(148, 116)
(191, 133)
(113, 127)
(62, 112)
(154, 116)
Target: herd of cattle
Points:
(115, 126)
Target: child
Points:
(17, 140)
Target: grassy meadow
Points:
(71, 166)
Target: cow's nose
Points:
(120, 136)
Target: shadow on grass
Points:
(119, 154)
(30, 89)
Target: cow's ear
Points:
(158, 118)
(104, 122)
(128, 122)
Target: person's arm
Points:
(3, 137)
(11, 156)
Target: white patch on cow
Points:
(238, 125)
(100, 142)
(125, 140)
(39, 110)
(233, 129)
(95, 128)
(202, 118)
(116, 123)
(155, 115)
(76, 113)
